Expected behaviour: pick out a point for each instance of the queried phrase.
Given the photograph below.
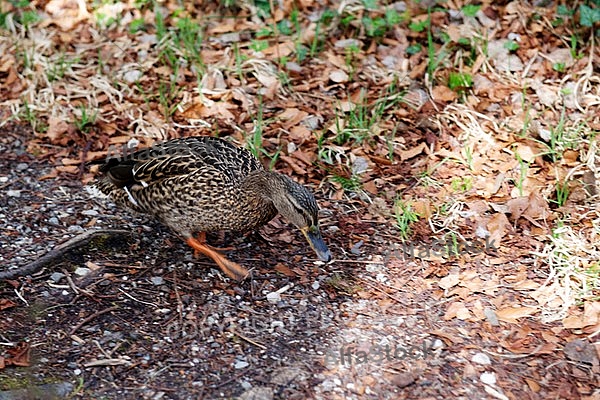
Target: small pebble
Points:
(75, 228)
(240, 365)
(293, 67)
(489, 378)
(273, 297)
(13, 193)
(53, 220)
(481, 358)
(90, 213)
(57, 276)
(315, 285)
(246, 385)
(356, 247)
(360, 165)
(491, 316)
(232, 37)
(157, 280)
(132, 76)
(82, 271)
(277, 324)
(345, 43)
(404, 379)
(22, 166)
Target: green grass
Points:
(459, 81)
(405, 217)
(470, 10)
(254, 141)
(462, 183)
(562, 193)
(168, 92)
(351, 184)
(523, 169)
(59, 67)
(23, 13)
(435, 57)
(26, 113)
(86, 119)
(468, 154)
(360, 122)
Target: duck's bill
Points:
(317, 244)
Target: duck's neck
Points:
(264, 183)
(259, 189)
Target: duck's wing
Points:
(180, 157)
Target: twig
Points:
(70, 281)
(59, 251)
(21, 297)
(136, 300)
(248, 339)
(516, 356)
(377, 286)
(91, 317)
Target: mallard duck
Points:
(201, 184)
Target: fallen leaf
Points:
(458, 310)
(65, 13)
(498, 226)
(527, 153)
(279, 267)
(5, 303)
(338, 76)
(19, 355)
(449, 281)
(443, 93)
(57, 127)
(511, 314)
(408, 154)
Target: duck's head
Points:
(298, 205)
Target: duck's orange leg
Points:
(231, 269)
(202, 239)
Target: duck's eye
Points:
(299, 210)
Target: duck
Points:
(201, 184)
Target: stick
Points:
(91, 317)
(60, 250)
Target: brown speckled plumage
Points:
(206, 184)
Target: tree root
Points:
(61, 250)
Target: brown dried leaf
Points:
(284, 270)
(498, 225)
(300, 133)
(458, 310)
(526, 152)
(65, 13)
(5, 303)
(292, 117)
(449, 281)
(443, 94)
(19, 355)
(290, 161)
(408, 154)
(57, 128)
(511, 314)
(281, 49)
(69, 169)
